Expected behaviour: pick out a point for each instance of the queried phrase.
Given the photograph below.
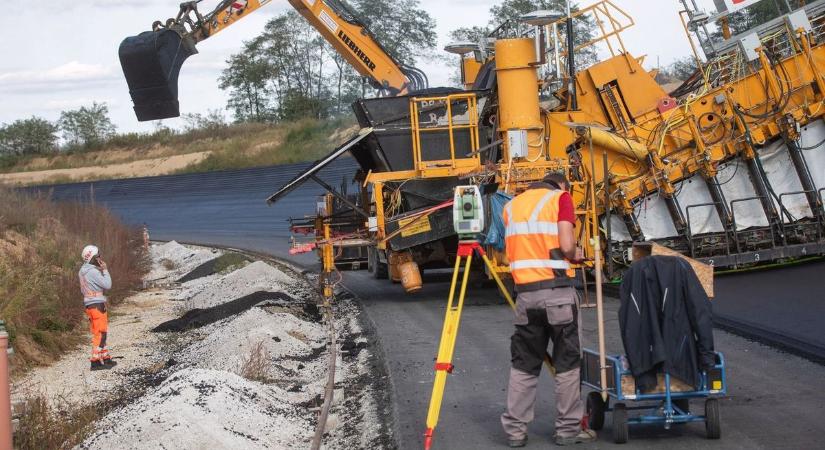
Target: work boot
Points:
(584, 435)
(516, 443)
(109, 362)
(98, 365)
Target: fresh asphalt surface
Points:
(775, 399)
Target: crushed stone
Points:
(182, 259)
(202, 408)
(217, 289)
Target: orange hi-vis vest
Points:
(531, 222)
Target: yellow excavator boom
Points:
(151, 61)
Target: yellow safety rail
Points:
(458, 163)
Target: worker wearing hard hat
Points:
(540, 245)
(94, 280)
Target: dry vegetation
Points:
(46, 424)
(228, 147)
(40, 243)
(255, 365)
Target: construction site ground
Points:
(774, 397)
(229, 359)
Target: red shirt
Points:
(567, 212)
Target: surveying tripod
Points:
(449, 333)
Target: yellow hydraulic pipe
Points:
(618, 144)
(518, 93)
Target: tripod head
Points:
(468, 212)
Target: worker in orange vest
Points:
(94, 280)
(540, 245)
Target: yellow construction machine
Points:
(728, 168)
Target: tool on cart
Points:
(468, 221)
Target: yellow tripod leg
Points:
(547, 361)
(449, 333)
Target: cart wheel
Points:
(712, 425)
(620, 427)
(595, 411)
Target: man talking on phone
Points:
(94, 279)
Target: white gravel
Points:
(258, 276)
(183, 259)
(287, 341)
(205, 409)
(204, 402)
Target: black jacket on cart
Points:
(666, 321)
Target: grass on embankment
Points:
(291, 142)
(40, 244)
(234, 146)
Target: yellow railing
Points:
(458, 162)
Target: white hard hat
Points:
(89, 252)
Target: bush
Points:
(40, 243)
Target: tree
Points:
(679, 70)
(583, 26)
(290, 71)
(87, 126)
(757, 14)
(212, 120)
(402, 27)
(246, 77)
(27, 136)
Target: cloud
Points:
(73, 71)
(77, 102)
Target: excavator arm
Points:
(151, 61)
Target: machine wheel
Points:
(712, 423)
(620, 426)
(371, 257)
(379, 269)
(595, 411)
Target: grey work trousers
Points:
(543, 316)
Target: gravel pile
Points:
(216, 289)
(205, 409)
(172, 260)
(206, 396)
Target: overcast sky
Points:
(60, 54)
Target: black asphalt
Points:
(776, 399)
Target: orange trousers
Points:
(99, 327)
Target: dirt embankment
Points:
(235, 146)
(235, 357)
(140, 168)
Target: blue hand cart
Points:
(670, 399)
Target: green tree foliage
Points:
(402, 27)
(758, 14)
(246, 77)
(679, 70)
(289, 71)
(211, 121)
(583, 26)
(86, 127)
(28, 136)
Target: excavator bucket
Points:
(151, 62)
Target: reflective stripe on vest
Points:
(531, 232)
(539, 263)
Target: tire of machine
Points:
(595, 411)
(713, 427)
(620, 425)
(379, 270)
